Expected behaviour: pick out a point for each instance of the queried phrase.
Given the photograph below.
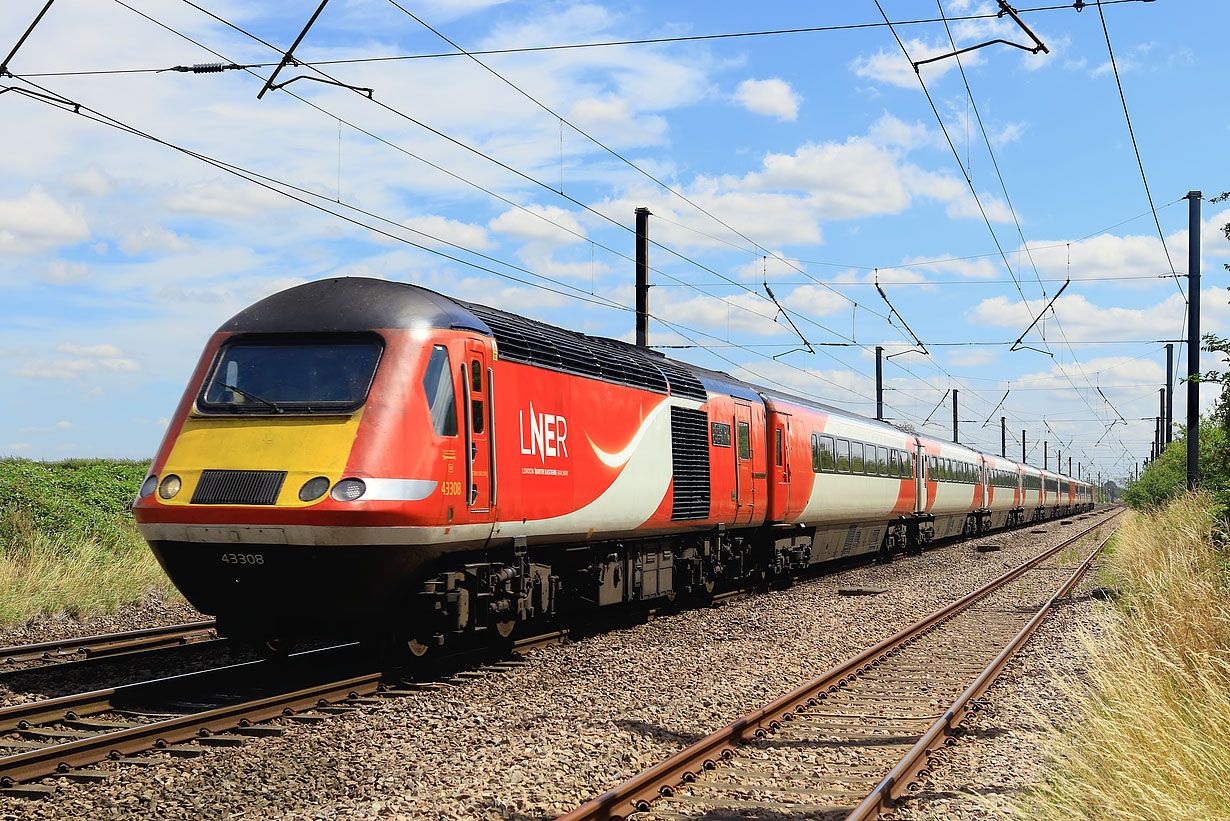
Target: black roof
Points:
(352, 304)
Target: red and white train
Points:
(356, 452)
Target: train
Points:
(366, 458)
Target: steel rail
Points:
(20, 716)
(895, 783)
(636, 794)
(61, 757)
(110, 643)
(159, 734)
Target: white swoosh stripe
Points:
(614, 460)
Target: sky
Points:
(788, 174)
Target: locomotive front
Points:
(312, 467)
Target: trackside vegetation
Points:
(1151, 739)
(68, 543)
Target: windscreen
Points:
(299, 376)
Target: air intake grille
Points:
(536, 343)
(690, 460)
(238, 487)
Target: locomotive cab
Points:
(324, 431)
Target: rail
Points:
(111, 643)
(682, 768)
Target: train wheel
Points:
(505, 628)
(417, 648)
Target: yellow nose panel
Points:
(303, 446)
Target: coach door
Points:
(779, 496)
(477, 379)
(745, 487)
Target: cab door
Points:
(477, 379)
(745, 487)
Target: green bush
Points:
(1165, 478)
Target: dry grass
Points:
(1152, 740)
(44, 572)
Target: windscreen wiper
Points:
(261, 399)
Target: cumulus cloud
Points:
(153, 238)
(89, 182)
(37, 222)
(546, 225)
(745, 312)
(62, 425)
(816, 300)
(973, 357)
(1080, 318)
(465, 234)
(88, 358)
(62, 272)
(772, 98)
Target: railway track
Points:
(848, 743)
(218, 707)
(109, 644)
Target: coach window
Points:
(745, 440)
(779, 447)
(882, 461)
(843, 456)
(894, 464)
(828, 454)
(856, 457)
(815, 453)
(438, 388)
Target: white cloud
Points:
(14, 447)
(816, 300)
(465, 234)
(90, 182)
(544, 225)
(62, 272)
(772, 98)
(90, 350)
(973, 357)
(153, 238)
(217, 199)
(58, 426)
(1082, 319)
(744, 312)
(89, 358)
(37, 222)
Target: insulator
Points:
(207, 68)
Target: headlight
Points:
(348, 490)
(148, 486)
(170, 486)
(313, 489)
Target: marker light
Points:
(170, 486)
(348, 490)
(148, 486)
(313, 489)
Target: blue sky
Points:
(811, 161)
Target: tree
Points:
(1166, 476)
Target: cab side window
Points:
(438, 388)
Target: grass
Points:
(1152, 735)
(68, 543)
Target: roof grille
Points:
(690, 460)
(536, 343)
(238, 487)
